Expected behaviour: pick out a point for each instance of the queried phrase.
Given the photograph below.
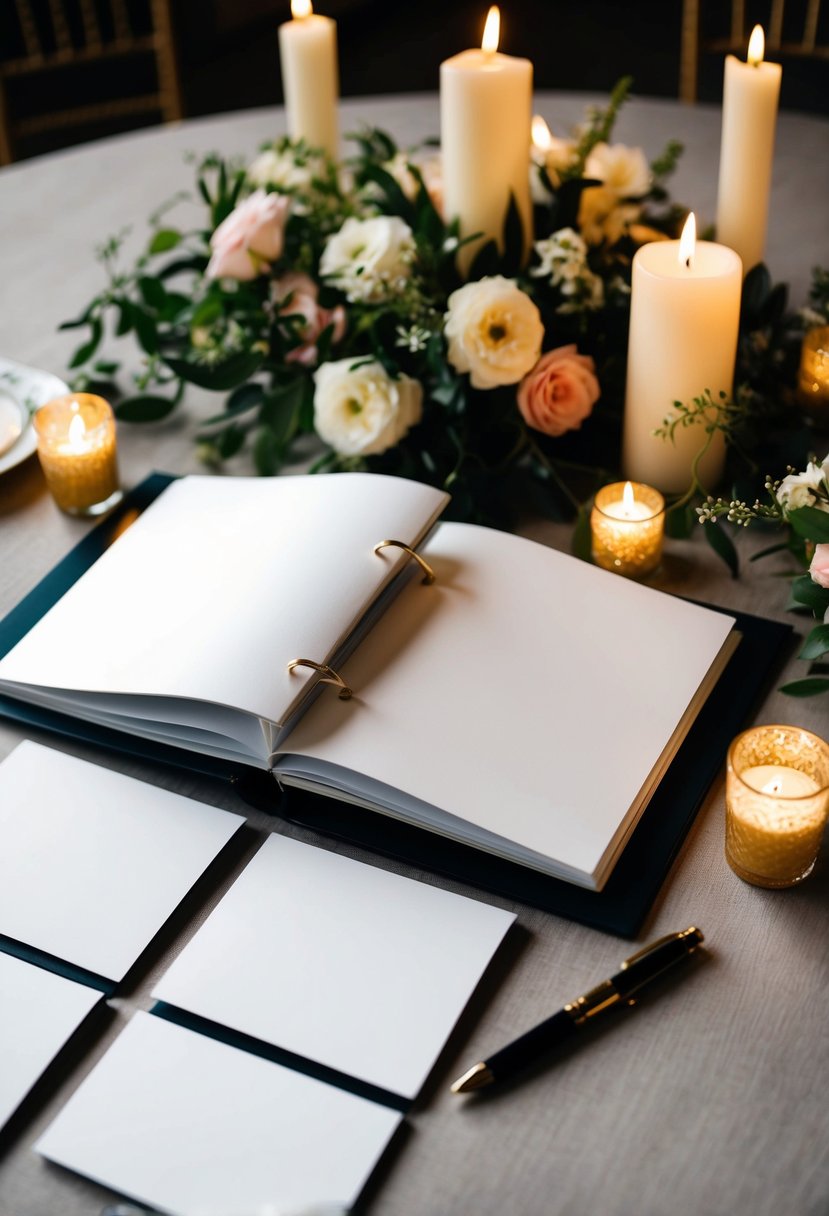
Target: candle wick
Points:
(688, 262)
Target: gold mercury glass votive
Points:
(813, 377)
(776, 803)
(627, 524)
(76, 448)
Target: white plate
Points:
(30, 388)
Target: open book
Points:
(526, 703)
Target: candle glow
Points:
(492, 31)
(541, 134)
(300, 9)
(688, 241)
(756, 46)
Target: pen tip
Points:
(477, 1077)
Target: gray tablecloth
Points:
(710, 1098)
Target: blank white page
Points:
(196, 1128)
(92, 863)
(38, 1013)
(347, 965)
(220, 583)
(525, 692)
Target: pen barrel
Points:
(535, 1043)
(641, 969)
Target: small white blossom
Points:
(563, 258)
(413, 339)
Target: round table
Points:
(708, 1099)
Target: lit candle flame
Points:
(756, 46)
(541, 134)
(301, 9)
(775, 785)
(627, 499)
(492, 30)
(688, 241)
(77, 431)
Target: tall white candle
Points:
(310, 77)
(750, 95)
(485, 116)
(684, 315)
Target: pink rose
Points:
(819, 567)
(559, 392)
(250, 238)
(297, 294)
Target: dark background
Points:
(228, 55)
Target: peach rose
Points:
(559, 392)
(297, 295)
(250, 238)
(819, 566)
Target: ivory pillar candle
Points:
(310, 77)
(684, 315)
(750, 95)
(485, 117)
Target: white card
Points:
(197, 1128)
(344, 964)
(38, 1013)
(92, 863)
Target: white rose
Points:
(494, 331)
(800, 489)
(361, 411)
(623, 170)
(368, 259)
(284, 169)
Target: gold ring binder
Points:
(327, 676)
(428, 572)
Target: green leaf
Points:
(266, 453)
(164, 239)
(125, 318)
(810, 523)
(230, 441)
(144, 407)
(83, 319)
(723, 546)
(152, 292)
(513, 239)
(194, 264)
(810, 687)
(145, 330)
(580, 545)
(816, 644)
(487, 261)
(219, 377)
(87, 350)
(806, 592)
(208, 311)
(680, 523)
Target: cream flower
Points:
(369, 259)
(360, 411)
(602, 217)
(286, 169)
(556, 156)
(623, 170)
(494, 332)
(801, 489)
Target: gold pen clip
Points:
(692, 932)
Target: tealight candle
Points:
(76, 448)
(627, 524)
(777, 800)
(813, 377)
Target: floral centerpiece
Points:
(325, 299)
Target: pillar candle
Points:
(684, 315)
(750, 95)
(485, 117)
(310, 77)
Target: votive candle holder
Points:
(627, 525)
(813, 376)
(776, 804)
(77, 452)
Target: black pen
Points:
(635, 973)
